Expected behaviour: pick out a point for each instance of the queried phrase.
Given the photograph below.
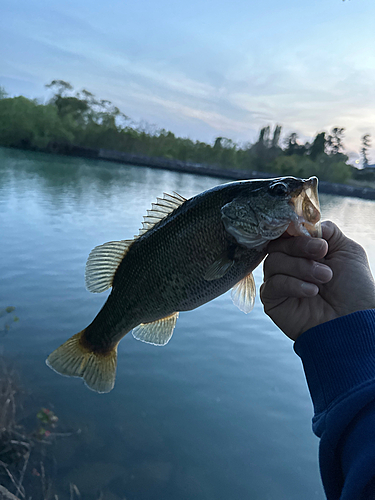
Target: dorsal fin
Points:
(102, 264)
(163, 207)
(103, 261)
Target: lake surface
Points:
(220, 413)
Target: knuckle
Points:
(283, 282)
(329, 225)
(306, 268)
(263, 292)
(359, 251)
(267, 290)
(269, 265)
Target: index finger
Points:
(300, 246)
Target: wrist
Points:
(337, 356)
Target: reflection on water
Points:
(355, 217)
(221, 412)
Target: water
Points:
(222, 412)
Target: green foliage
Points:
(340, 172)
(325, 168)
(276, 136)
(27, 124)
(265, 150)
(79, 119)
(318, 146)
(366, 144)
(59, 86)
(47, 422)
(285, 165)
(3, 93)
(334, 143)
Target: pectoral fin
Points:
(156, 333)
(218, 268)
(243, 294)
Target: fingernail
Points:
(314, 246)
(309, 289)
(322, 273)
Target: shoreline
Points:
(196, 168)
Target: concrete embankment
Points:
(202, 169)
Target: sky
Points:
(203, 69)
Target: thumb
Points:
(333, 234)
(338, 242)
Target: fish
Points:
(188, 252)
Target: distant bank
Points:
(200, 169)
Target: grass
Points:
(27, 465)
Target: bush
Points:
(80, 120)
(325, 167)
(27, 124)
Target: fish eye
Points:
(278, 189)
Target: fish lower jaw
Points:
(301, 227)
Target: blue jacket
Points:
(339, 362)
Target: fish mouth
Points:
(305, 202)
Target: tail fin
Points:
(73, 359)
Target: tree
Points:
(60, 87)
(26, 124)
(70, 106)
(276, 137)
(262, 145)
(334, 141)
(366, 144)
(318, 146)
(264, 137)
(217, 144)
(292, 146)
(224, 151)
(3, 93)
(66, 104)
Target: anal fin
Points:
(243, 294)
(158, 332)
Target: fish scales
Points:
(191, 253)
(182, 246)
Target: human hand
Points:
(308, 281)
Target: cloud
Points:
(203, 70)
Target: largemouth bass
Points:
(187, 253)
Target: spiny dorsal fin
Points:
(102, 264)
(243, 294)
(158, 332)
(104, 260)
(163, 207)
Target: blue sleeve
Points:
(339, 362)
